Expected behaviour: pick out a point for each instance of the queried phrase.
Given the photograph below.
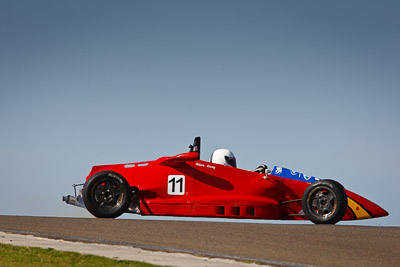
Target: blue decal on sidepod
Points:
(289, 174)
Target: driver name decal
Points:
(176, 185)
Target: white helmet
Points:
(223, 156)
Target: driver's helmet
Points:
(223, 156)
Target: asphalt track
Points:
(320, 245)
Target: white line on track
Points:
(120, 252)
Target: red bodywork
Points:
(183, 185)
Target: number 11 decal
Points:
(176, 184)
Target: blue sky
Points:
(310, 85)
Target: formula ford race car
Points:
(184, 185)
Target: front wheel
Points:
(106, 194)
(324, 202)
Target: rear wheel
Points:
(106, 194)
(324, 202)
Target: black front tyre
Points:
(106, 194)
(324, 202)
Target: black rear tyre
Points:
(106, 194)
(324, 202)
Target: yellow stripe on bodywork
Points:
(359, 211)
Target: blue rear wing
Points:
(289, 174)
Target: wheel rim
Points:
(323, 202)
(107, 194)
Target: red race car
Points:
(184, 185)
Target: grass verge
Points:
(32, 256)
